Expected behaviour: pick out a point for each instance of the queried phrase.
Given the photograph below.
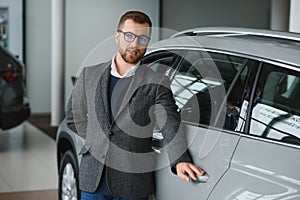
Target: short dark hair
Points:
(136, 16)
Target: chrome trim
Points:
(249, 31)
(270, 35)
(226, 34)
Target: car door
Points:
(266, 162)
(200, 85)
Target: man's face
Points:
(133, 51)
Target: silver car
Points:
(238, 96)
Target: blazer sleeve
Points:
(169, 121)
(76, 110)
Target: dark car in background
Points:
(14, 106)
(238, 95)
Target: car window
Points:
(201, 82)
(161, 61)
(162, 65)
(277, 113)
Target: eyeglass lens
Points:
(130, 37)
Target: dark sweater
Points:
(117, 90)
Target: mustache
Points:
(133, 49)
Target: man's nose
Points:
(135, 42)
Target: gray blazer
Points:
(124, 145)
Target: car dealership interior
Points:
(52, 40)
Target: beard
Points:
(132, 56)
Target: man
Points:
(114, 107)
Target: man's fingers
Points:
(190, 172)
(186, 170)
(197, 170)
(183, 176)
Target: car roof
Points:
(236, 31)
(262, 48)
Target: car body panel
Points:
(204, 147)
(75, 142)
(261, 169)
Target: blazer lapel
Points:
(102, 93)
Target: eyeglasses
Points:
(130, 37)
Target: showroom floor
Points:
(27, 164)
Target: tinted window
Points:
(276, 115)
(161, 62)
(201, 82)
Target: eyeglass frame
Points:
(135, 36)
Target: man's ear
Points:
(117, 37)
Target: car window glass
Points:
(200, 84)
(162, 65)
(161, 62)
(277, 114)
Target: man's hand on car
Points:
(186, 170)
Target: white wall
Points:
(38, 54)
(295, 16)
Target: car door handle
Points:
(200, 179)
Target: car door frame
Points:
(205, 156)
